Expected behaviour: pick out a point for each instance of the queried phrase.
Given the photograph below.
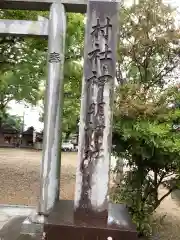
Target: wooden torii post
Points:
(90, 215)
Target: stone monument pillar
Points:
(92, 178)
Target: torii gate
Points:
(90, 215)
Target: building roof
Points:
(29, 131)
(8, 129)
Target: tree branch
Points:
(137, 64)
(165, 195)
(159, 76)
(161, 178)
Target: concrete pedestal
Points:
(62, 224)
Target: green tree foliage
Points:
(148, 48)
(21, 75)
(11, 121)
(148, 57)
(72, 72)
(72, 92)
(20, 72)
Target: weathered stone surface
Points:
(92, 178)
(21, 27)
(3, 218)
(70, 5)
(61, 224)
(51, 160)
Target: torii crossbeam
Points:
(76, 6)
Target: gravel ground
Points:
(19, 184)
(19, 176)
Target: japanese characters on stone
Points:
(100, 60)
(54, 57)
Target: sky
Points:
(31, 114)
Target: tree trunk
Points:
(119, 170)
(67, 135)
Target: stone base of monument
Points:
(62, 224)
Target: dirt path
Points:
(168, 223)
(19, 184)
